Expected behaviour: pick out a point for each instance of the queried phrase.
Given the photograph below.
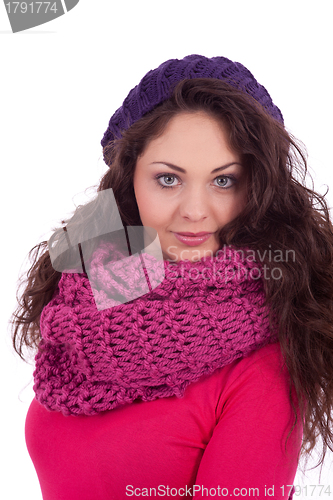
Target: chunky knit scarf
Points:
(203, 316)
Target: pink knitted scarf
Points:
(203, 316)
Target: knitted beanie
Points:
(157, 85)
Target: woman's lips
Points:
(193, 241)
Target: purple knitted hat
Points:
(157, 85)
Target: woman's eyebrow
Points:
(184, 171)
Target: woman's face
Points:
(189, 180)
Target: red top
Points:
(227, 433)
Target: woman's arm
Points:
(246, 454)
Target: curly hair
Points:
(282, 214)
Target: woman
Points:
(210, 375)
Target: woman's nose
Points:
(194, 204)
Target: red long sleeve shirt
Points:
(224, 438)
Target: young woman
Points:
(211, 375)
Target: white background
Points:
(61, 82)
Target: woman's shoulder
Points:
(264, 365)
(264, 362)
(260, 379)
(260, 376)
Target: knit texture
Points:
(203, 316)
(157, 85)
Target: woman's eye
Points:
(168, 177)
(227, 181)
(224, 181)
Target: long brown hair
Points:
(282, 214)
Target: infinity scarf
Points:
(201, 317)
